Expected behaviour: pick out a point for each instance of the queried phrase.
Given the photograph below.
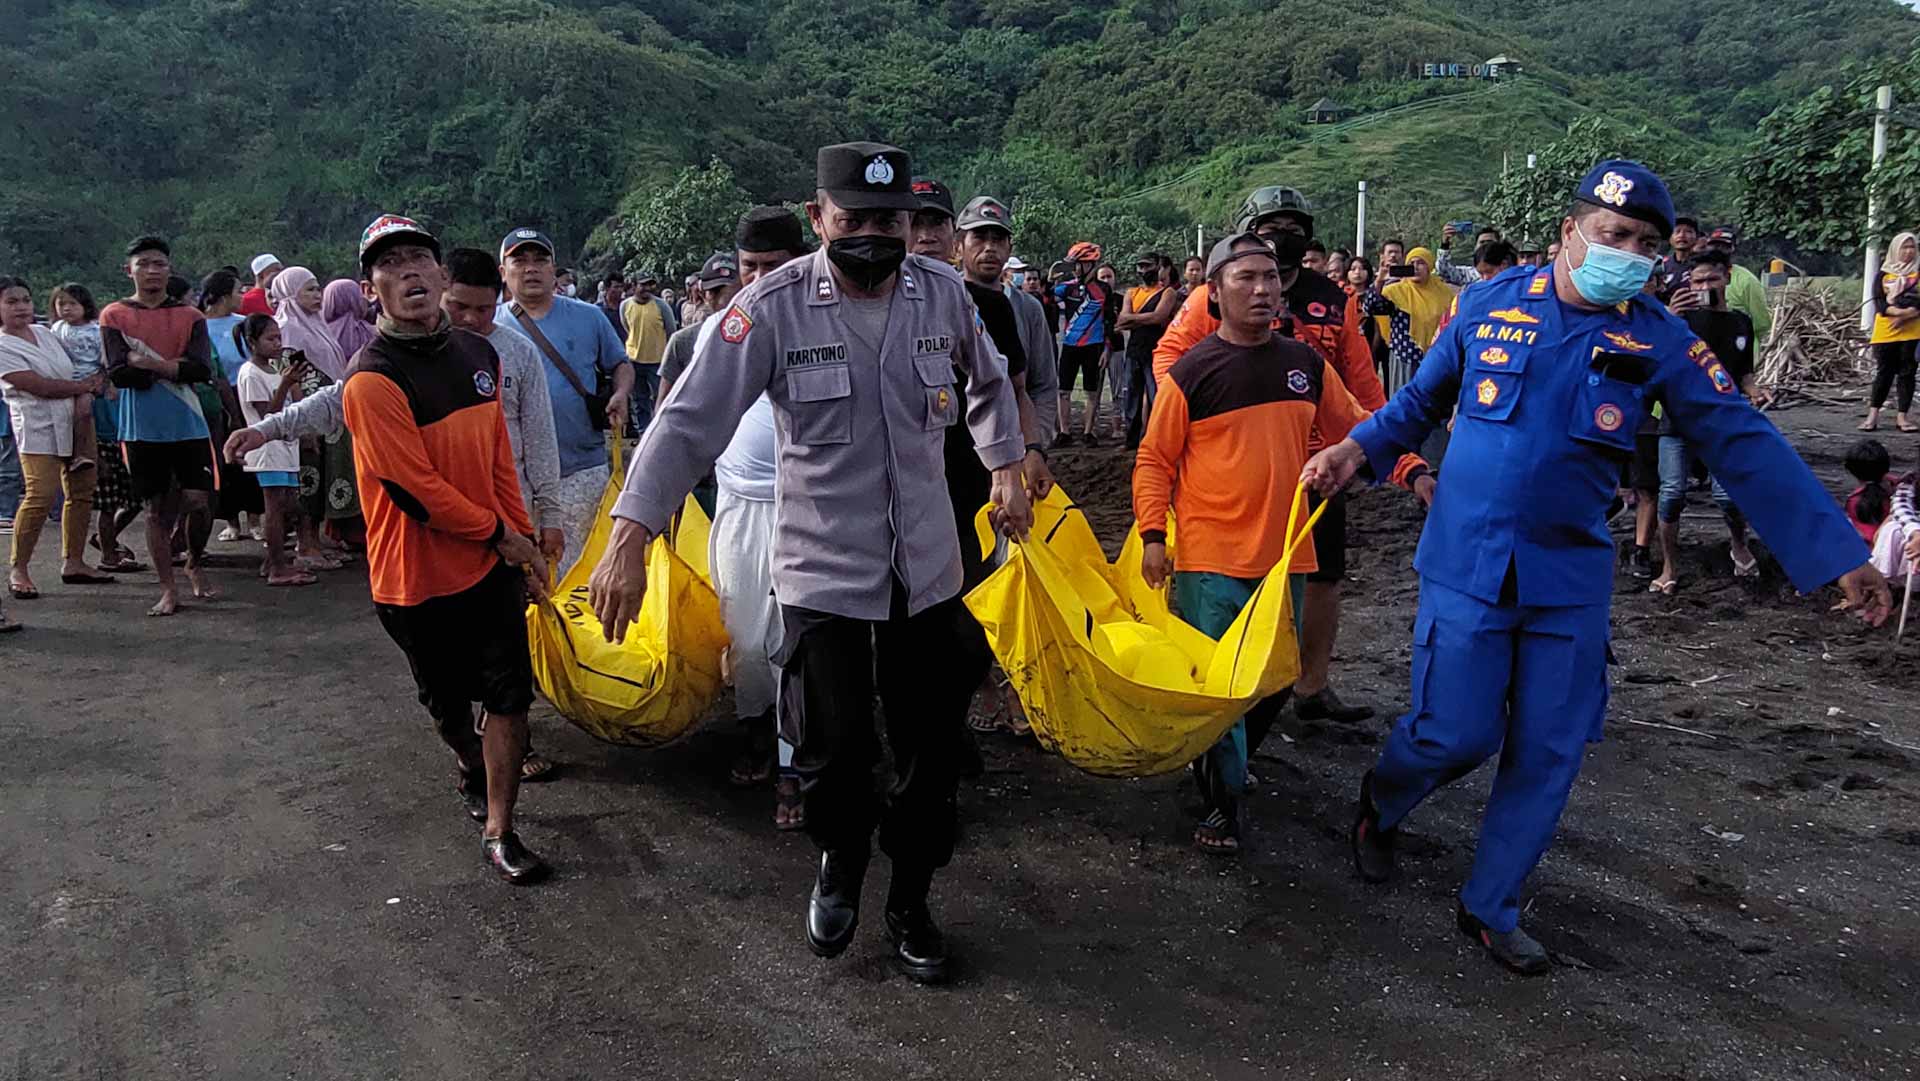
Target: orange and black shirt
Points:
(1225, 445)
(435, 466)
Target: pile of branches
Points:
(1815, 341)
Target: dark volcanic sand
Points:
(206, 818)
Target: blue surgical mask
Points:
(1609, 275)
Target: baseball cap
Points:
(387, 230)
(770, 228)
(866, 176)
(262, 262)
(985, 212)
(1629, 188)
(933, 195)
(1723, 234)
(1014, 262)
(1223, 252)
(719, 269)
(522, 237)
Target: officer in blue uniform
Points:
(1552, 370)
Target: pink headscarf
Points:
(344, 307)
(301, 330)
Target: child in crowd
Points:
(263, 391)
(76, 325)
(1870, 464)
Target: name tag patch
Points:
(817, 354)
(940, 343)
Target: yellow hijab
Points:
(1425, 304)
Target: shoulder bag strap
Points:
(540, 339)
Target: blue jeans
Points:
(1676, 464)
(646, 390)
(13, 483)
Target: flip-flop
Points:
(535, 768)
(789, 808)
(19, 594)
(1749, 569)
(8, 626)
(1213, 837)
(1663, 588)
(301, 579)
(87, 579)
(121, 566)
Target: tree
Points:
(1528, 204)
(672, 231)
(1806, 169)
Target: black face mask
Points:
(868, 260)
(1288, 249)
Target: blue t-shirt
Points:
(581, 334)
(226, 351)
(163, 413)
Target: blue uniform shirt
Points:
(583, 336)
(1549, 399)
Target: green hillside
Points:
(238, 125)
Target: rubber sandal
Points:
(1214, 837)
(534, 768)
(19, 594)
(1663, 588)
(789, 809)
(1749, 569)
(8, 626)
(121, 566)
(87, 579)
(301, 579)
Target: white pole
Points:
(1882, 104)
(1360, 222)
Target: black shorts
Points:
(157, 467)
(1329, 539)
(1081, 358)
(1643, 473)
(468, 647)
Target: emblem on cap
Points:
(1613, 188)
(1488, 391)
(879, 170)
(733, 329)
(1608, 418)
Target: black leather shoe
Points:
(919, 949)
(472, 788)
(834, 909)
(1372, 846)
(1515, 949)
(508, 856)
(1326, 706)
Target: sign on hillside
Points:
(1492, 69)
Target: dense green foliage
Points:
(237, 126)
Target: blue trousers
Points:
(646, 392)
(12, 479)
(1210, 603)
(1528, 683)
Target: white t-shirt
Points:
(257, 384)
(747, 467)
(40, 425)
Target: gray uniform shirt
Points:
(1043, 360)
(859, 435)
(523, 398)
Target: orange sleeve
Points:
(1337, 413)
(1407, 470)
(387, 444)
(1187, 329)
(1355, 362)
(1154, 467)
(506, 479)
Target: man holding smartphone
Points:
(1702, 303)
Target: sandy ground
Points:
(231, 851)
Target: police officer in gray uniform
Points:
(856, 346)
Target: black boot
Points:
(1372, 846)
(834, 909)
(515, 863)
(919, 949)
(1515, 949)
(471, 786)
